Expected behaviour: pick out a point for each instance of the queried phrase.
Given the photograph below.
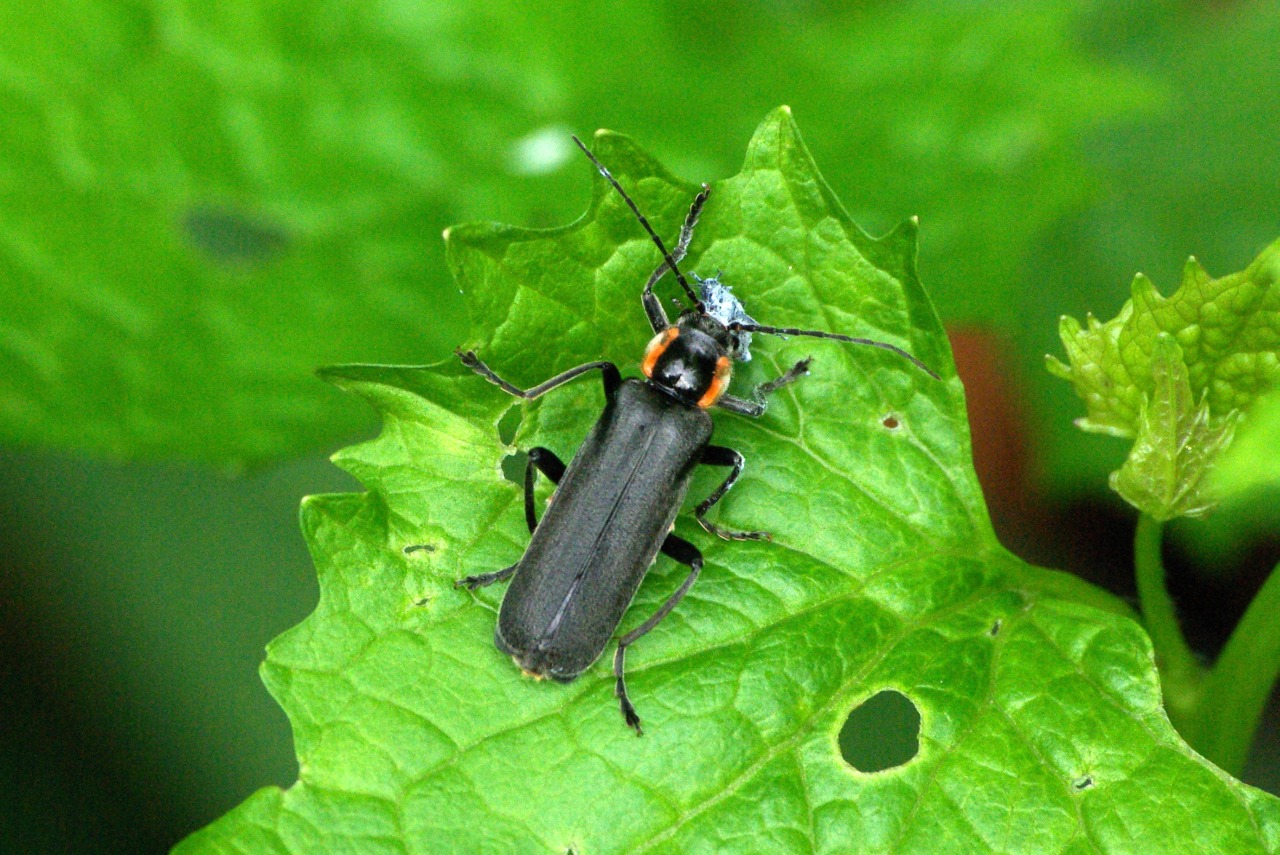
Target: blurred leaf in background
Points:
(202, 203)
(199, 204)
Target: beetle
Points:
(615, 504)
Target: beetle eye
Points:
(656, 346)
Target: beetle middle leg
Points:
(686, 553)
(716, 455)
(546, 462)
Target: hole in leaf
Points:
(513, 467)
(891, 422)
(233, 238)
(509, 424)
(881, 733)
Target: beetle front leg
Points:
(608, 373)
(652, 305)
(760, 395)
(686, 553)
(715, 455)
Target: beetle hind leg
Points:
(686, 553)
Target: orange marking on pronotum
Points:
(656, 346)
(724, 369)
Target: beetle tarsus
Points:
(795, 372)
(633, 721)
(628, 709)
(730, 534)
(471, 583)
(652, 305)
(759, 401)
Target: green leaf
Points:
(1041, 725)
(200, 203)
(1176, 373)
(1251, 461)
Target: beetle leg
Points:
(608, 373)
(652, 305)
(716, 455)
(686, 553)
(548, 464)
(473, 582)
(760, 395)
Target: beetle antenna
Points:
(837, 337)
(666, 256)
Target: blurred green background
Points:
(200, 203)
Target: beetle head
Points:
(690, 361)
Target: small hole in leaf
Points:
(891, 422)
(881, 733)
(1084, 783)
(513, 467)
(509, 424)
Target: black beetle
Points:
(616, 503)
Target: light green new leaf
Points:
(1176, 373)
(1041, 725)
(1167, 471)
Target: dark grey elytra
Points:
(615, 503)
